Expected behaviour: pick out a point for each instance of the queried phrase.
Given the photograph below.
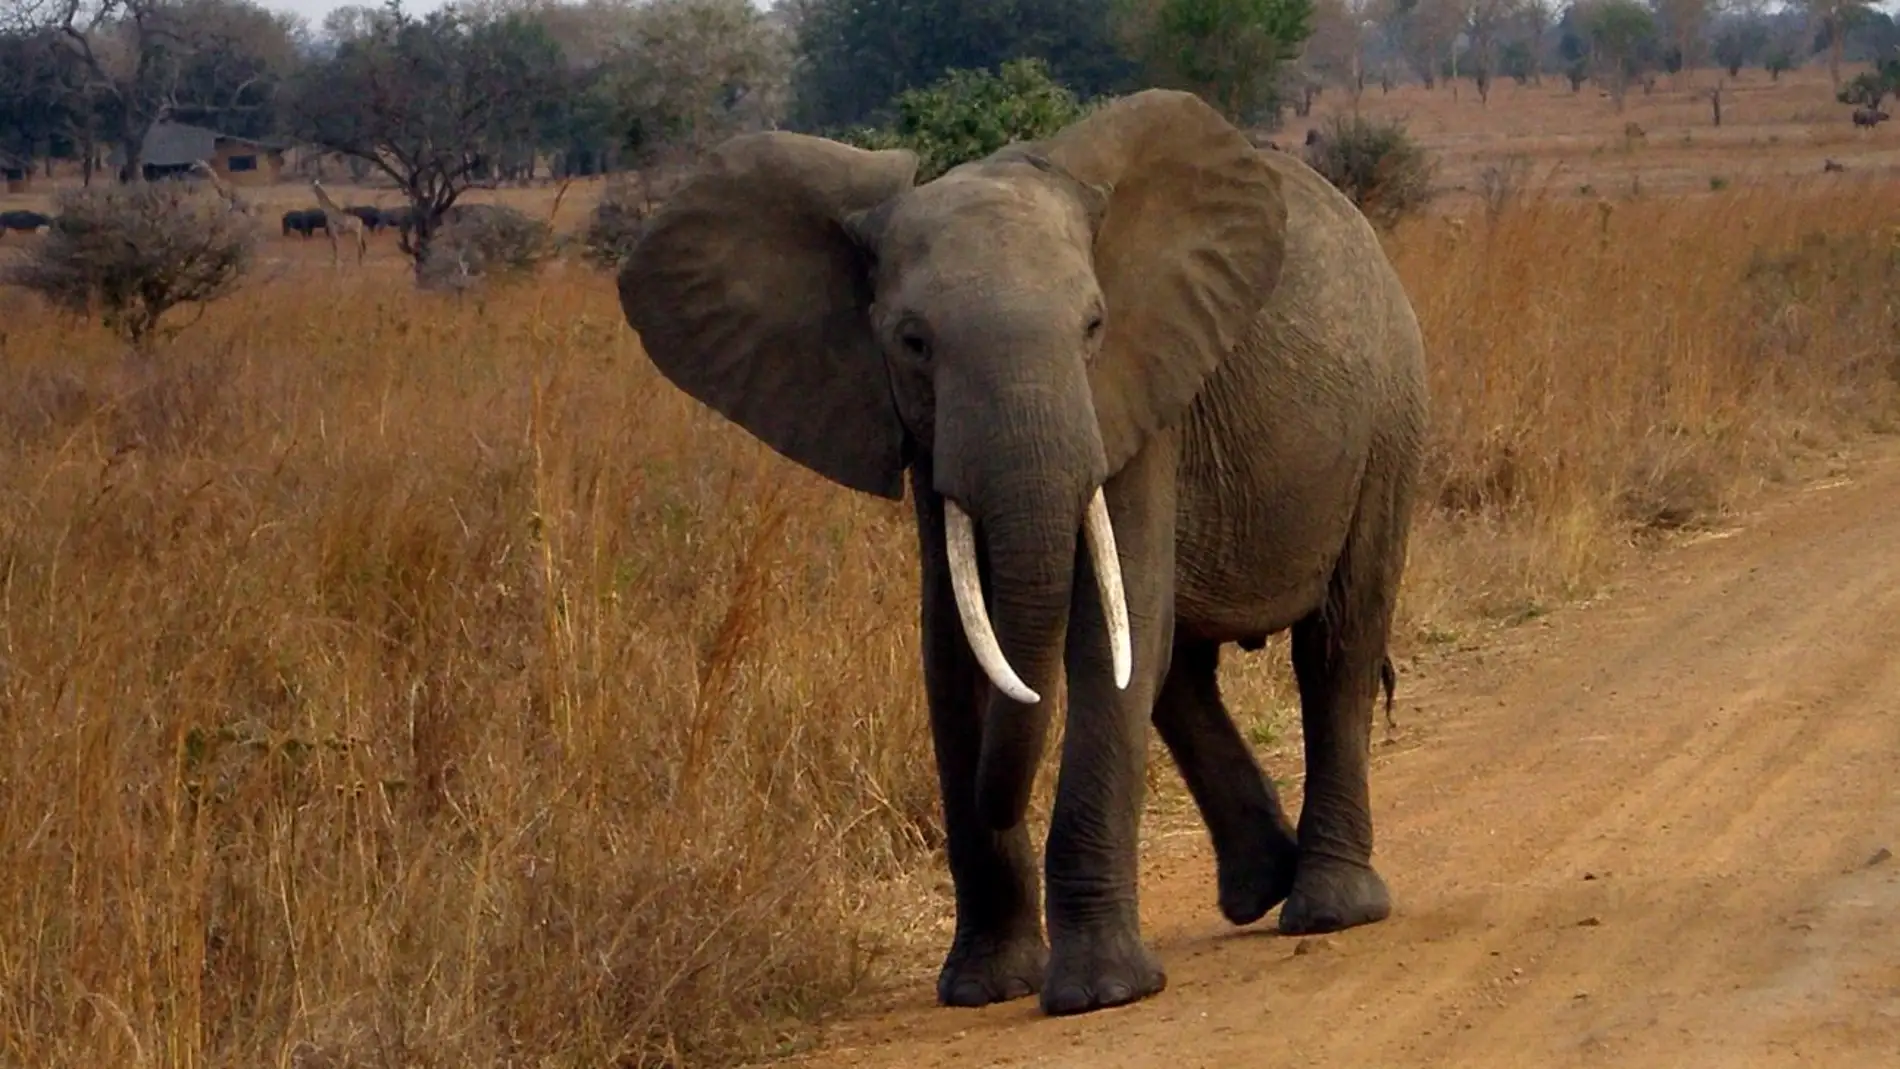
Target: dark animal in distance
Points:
(403, 219)
(1870, 117)
(24, 221)
(1832, 166)
(305, 221)
(372, 217)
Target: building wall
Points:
(247, 165)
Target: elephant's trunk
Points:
(1018, 458)
(1030, 551)
(1098, 535)
(1018, 642)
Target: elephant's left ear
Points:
(1188, 251)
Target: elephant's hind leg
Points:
(1254, 843)
(998, 952)
(1339, 657)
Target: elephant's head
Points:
(1024, 321)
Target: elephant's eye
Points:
(914, 342)
(1094, 329)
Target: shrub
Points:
(969, 114)
(1376, 163)
(615, 223)
(131, 253)
(485, 241)
(1868, 88)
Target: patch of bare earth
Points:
(1656, 830)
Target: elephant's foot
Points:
(1329, 895)
(1096, 970)
(1258, 877)
(984, 969)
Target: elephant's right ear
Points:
(751, 294)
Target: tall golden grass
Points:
(388, 679)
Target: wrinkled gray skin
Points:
(1143, 303)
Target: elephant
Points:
(1156, 391)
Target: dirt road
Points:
(1654, 832)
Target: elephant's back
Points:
(1274, 453)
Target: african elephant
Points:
(1157, 391)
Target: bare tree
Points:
(428, 102)
(691, 72)
(1484, 23)
(1428, 33)
(1535, 17)
(1833, 17)
(133, 253)
(1337, 48)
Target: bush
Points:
(484, 241)
(616, 221)
(131, 253)
(1386, 173)
(969, 114)
(1868, 88)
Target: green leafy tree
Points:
(856, 56)
(1739, 44)
(131, 63)
(43, 108)
(1868, 88)
(1622, 40)
(1779, 61)
(969, 114)
(1225, 51)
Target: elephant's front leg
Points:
(998, 952)
(1097, 956)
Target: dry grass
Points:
(1771, 131)
(390, 679)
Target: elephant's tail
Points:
(1389, 679)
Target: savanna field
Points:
(395, 678)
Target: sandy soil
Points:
(1649, 831)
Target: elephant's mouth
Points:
(1097, 534)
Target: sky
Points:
(314, 10)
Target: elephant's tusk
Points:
(960, 545)
(1100, 536)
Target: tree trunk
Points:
(1834, 45)
(133, 149)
